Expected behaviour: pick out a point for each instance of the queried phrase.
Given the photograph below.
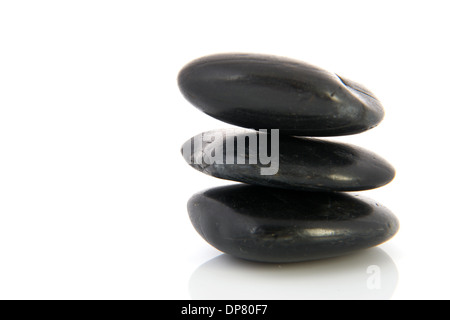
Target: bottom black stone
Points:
(280, 226)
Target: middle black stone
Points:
(300, 163)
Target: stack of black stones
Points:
(298, 209)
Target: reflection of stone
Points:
(369, 274)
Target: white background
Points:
(93, 187)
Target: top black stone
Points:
(269, 92)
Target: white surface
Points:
(93, 187)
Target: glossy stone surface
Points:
(304, 163)
(269, 92)
(279, 226)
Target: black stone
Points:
(304, 163)
(269, 92)
(280, 226)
